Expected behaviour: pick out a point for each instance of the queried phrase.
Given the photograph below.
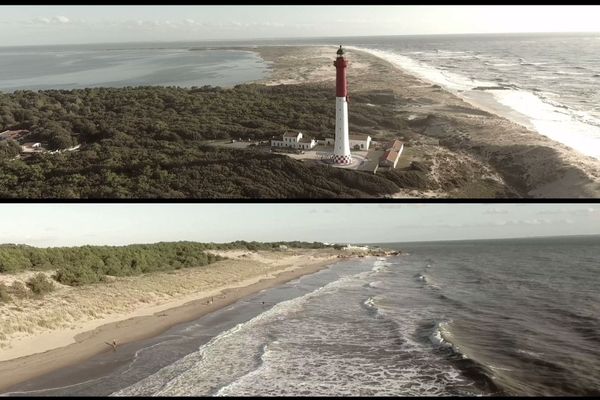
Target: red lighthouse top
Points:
(341, 85)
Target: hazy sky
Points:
(78, 224)
(24, 25)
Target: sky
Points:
(43, 25)
(44, 225)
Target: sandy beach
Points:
(473, 151)
(140, 307)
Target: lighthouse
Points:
(341, 149)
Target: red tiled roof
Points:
(396, 145)
(390, 156)
(290, 134)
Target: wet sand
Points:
(93, 342)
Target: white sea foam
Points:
(311, 345)
(425, 71)
(324, 357)
(377, 284)
(437, 337)
(531, 354)
(555, 121)
(227, 356)
(370, 302)
(576, 129)
(379, 266)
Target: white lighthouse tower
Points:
(341, 149)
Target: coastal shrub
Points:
(40, 284)
(5, 297)
(77, 262)
(19, 289)
(9, 149)
(83, 265)
(12, 261)
(147, 142)
(76, 275)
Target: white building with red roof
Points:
(392, 154)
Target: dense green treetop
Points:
(89, 264)
(151, 142)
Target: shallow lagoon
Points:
(36, 68)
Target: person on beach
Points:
(113, 344)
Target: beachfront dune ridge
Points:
(89, 264)
(57, 282)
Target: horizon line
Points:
(302, 37)
(477, 240)
(309, 241)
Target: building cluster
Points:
(343, 141)
(301, 142)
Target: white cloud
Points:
(569, 211)
(321, 211)
(61, 19)
(43, 20)
(495, 210)
(56, 20)
(533, 221)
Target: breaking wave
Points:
(576, 128)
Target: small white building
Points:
(295, 141)
(31, 147)
(360, 142)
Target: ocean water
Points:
(495, 317)
(547, 82)
(81, 66)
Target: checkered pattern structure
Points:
(336, 159)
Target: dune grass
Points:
(69, 306)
